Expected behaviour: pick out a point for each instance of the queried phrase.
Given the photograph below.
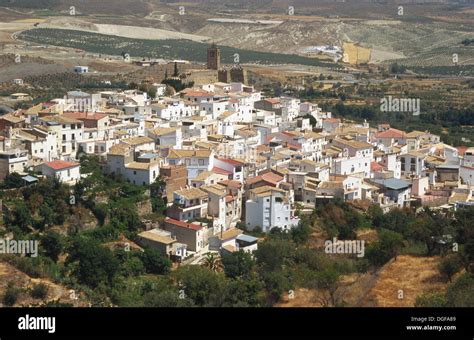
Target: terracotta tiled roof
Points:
(61, 165)
(221, 171)
(182, 224)
(374, 166)
(85, 115)
(231, 161)
(391, 133)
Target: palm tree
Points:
(212, 262)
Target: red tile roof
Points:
(391, 133)
(231, 183)
(269, 177)
(231, 161)
(85, 115)
(462, 150)
(183, 224)
(197, 93)
(293, 146)
(273, 100)
(332, 120)
(221, 171)
(263, 148)
(374, 166)
(61, 165)
(289, 134)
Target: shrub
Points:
(449, 266)
(11, 296)
(39, 291)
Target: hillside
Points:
(24, 283)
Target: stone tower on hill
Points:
(213, 58)
(236, 74)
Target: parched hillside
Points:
(414, 275)
(28, 67)
(22, 281)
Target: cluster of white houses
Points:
(230, 156)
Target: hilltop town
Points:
(219, 169)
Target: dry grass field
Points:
(413, 275)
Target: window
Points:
(64, 137)
(68, 172)
(134, 172)
(73, 137)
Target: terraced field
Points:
(166, 49)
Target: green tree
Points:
(53, 245)
(326, 281)
(131, 263)
(376, 215)
(237, 264)
(100, 211)
(435, 299)
(155, 262)
(95, 264)
(11, 181)
(276, 283)
(200, 284)
(386, 248)
(450, 265)
(272, 254)
(212, 262)
(176, 71)
(463, 223)
(47, 214)
(21, 216)
(241, 293)
(459, 293)
(301, 233)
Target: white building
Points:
(81, 69)
(268, 208)
(66, 172)
(196, 161)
